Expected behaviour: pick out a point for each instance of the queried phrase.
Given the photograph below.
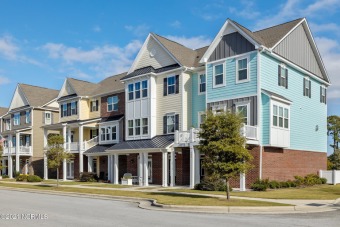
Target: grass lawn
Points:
(321, 192)
(163, 198)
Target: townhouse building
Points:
(90, 119)
(30, 108)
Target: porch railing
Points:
(90, 143)
(73, 146)
(23, 150)
(250, 132)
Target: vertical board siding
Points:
(265, 118)
(308, 117)
(230, 45)
(198, 101)
(297, 48)
(232, 89)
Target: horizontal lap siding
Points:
(198, 101)
(305, 113)
(265, 118)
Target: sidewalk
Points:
(298, 206)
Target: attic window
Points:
(152, 52)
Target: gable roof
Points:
(110, 84)
(38, 96)
(3, 111)
(81, 87)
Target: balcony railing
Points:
(76, 146)
(23, 150)
(91, 143)
(192, 136)
(73, 146)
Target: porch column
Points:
(115, 169)
(64, 170)
(165, 169)
(172, 168)
(45, 157)
(17, 150)
(64, 161)
(197, 166)
(242, 182)
(90, 164)
(140, 173)
(112, 161)
(109, 167)
(146, 169)
(192, 167)
(98, 166)
(10, 166)
(3, 167)
(81, 149)
(69, 139)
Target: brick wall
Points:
(122, 162)
(121, 105)
(132, 163)
(183, 167)
(157, 168)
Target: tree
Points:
(333, 130)
(224, 147)
(56, 153)
(334, 160)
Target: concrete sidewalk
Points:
(298, 206)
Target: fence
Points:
(332, 176)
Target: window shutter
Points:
(164, 125)
(68, 109)
(97, 103)
(61, 111)
(177, 84)
(286, 78)
(177, 122)
(76, 104)
(165, 86)
(279, 75)
(97, 131)
(91, 106)
(304, 86)
(310, 88)
(321, 94)
(91, 134)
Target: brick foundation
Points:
(183, 167)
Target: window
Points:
(280, 117)
(323, 95)
(7, 124)
(28, 116)
(218, 72)
(114, 133)
(16, 120)
(112, 103)
(108, 132)
(307, 87)
(170, 124)
(94, 105)
(201, 118)
(102, 134)
(243, 111)
(130, 89)
(137, 127)
(202, 83)
(283, 76)
(73, 108)
(48, 118)
(64, 110)
(144, 88)
(242, 70)
(171, 85)
(145, 126)
(130, 127)
(137, 90)
(93, 133)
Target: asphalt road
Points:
(32, 209)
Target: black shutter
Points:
(165, 86)
(321, 94)
(310, 88)
(91, 134)
(68, 109)
(76, 104)
(97, 103)
(279, 75)
(91, 106)
(61, 111)
(164, 125)
(286, 78)
(304, 86)
(177, 122)
(97, 131)
(177, 84)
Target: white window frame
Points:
(199, 83)
(323, 93)
(247, 104)
(132, 128)
(200, 113)
(284, 106)
(94, 107)
(142, 89)
(132, 91)
(28, 116)
(48, 121)
(306, 79)
(139, 90)
(145, 126)
(137, 127)
(169, 115)
(218, 109)
(7, 124)
(113, 103)
(64, 109)
(223, 75)
(283, 69)
(109, 129)
(174, 85)
(16, 120)
(237, 70)
(73, 108)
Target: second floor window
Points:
(242, 70)
(323, 94)
(137, 127)
(7, 124)
(28, 116)
(171, 85)
(137, 90)
(144, 88)
(94, 105)
(307, 87)
(283, 76)
(73, 108)
(280, 117)
(130, 127)
(170, 123)
(218, 75)
(48, 118)
(145, 126)
(202, 83)
(130, 90)
(69, 109)
(16, 119)
(112, 103)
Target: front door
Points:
(150, 169)
(70, 169)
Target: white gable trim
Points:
(18, 91)
(219, 36)
(63, 88)
(141, 51)
(50, 102)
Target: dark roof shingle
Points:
(38, 96)
(155, 142)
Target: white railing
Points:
(23, 150)
(332, 176)
(250, 132)
(91, 143)
(73, 146)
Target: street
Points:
(32, 209)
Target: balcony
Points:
(23, 150)
(75, 147)
(184, 138)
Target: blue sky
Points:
(42, 42)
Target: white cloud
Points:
(139, 30)
(97, 28)
(176, 24)
(191, 42)
(330, 53)
(320, 5)
(329, 27)
(4, 80)
(246, 10)
(7, 48)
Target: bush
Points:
(4, 176)
(312, 179)
(21, 177)
(299, 181)
(212, 184)
(323, 180)
(260, 185)
(33, 178)
(88, 177)
(16, 174)
(274, 184)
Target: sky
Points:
(44, 41)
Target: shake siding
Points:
(232, 89)
(306, 114)
(94, 114)
(167, 104)
(160, 59)
(198, 101)
(187, 102)
(38, 134)
(265, 119)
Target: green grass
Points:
(105, 185)
(7, 179)
(319, 192)
(161, 197)
(66, 182)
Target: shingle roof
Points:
(3, 111)
(150, 69)
(110, 84)
(38, 96)
(81, 87)
(199, 54)
(270, 93)
(98, 149)
(155, 142)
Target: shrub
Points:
(274, 184)
(16, 174)
(299, 180)
(88, 177)
(260, 185)
(4, 176)
(33, 178)
(312, 179)
(21, 177)
(323, 180)
(212, 184)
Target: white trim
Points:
(113, 104)
(199, 84)
(284, 106)
(45, 122)
(223, 75)
(233, 97)
(237, 70)
(111, 125)
(199, 114)
(247, 104)
(232, 57)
